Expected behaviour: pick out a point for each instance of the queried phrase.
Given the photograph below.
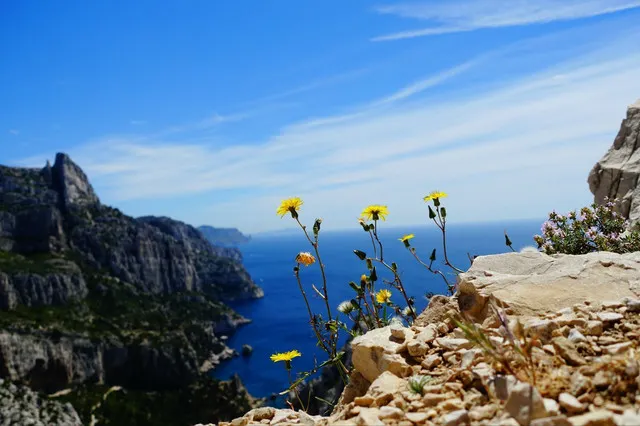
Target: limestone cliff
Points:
(89, 295)
(617, 174)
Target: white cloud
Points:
(468, 15)
(515, 150)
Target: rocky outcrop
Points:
(19, 405)
(59, 283)
(534, 283)
(617, 174)
(570, 358)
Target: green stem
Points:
(313, 322)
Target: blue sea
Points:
(280, 321)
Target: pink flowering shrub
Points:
(598, 228)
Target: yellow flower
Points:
(375, 212)
(435, 195)
(286, 356)
(383, 296)
(305, 258)
(406, 238)
(290, 205)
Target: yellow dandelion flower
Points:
(305, 258)
(406, 238)
(383, 296)
(375, 212)
(435, 195)
(285, 356)
(290, 205)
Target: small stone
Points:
(363, 401)
(568, 352)
(431, 361)
(433, 399)
(262, 413)
(390, 413)
(241, 421)
(609, 317)
(617, 348)
(579, 383)
(368, 417)
(398, 331)
(442, 328)
(633, 305)
(451, 405)
(628, 418)
(551, 421)
(453, 344)
(525, 403)
(246, 350)
(552, 407)
(570, 403)
(483, 412)
(594, 328)
(456, 418)
(594, 418)
(549, 349)
(611, 304)
(417, 417)
(417, 348)
(469, 357)
(603, 379)
(576, 337)
(427, 334)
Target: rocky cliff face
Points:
(89, 295)
(617, 174)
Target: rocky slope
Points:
(617, 174)
(90, 295)
(582, 353)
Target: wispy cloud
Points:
(469, 15)
(137, 122)
(521, 148)
(14, 132)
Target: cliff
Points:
(225, 237)
(617, 174)
(91, 295)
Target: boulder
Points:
(616, 175)
(376, 352)
(535, 283)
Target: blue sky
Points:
(212, 112)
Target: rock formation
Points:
(617, 174)
(89, 295)
(19, 405)
(582, 368)
(223, 237)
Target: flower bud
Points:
(443, 212)
(432, 214)
(361, 255)
(433, 255)
(369, 264)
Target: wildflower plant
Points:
(287, 357)
(599, 228)
(375, 301)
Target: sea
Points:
(280, 321)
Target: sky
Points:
(212, 112)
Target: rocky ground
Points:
(19, 405)
(585, 360)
